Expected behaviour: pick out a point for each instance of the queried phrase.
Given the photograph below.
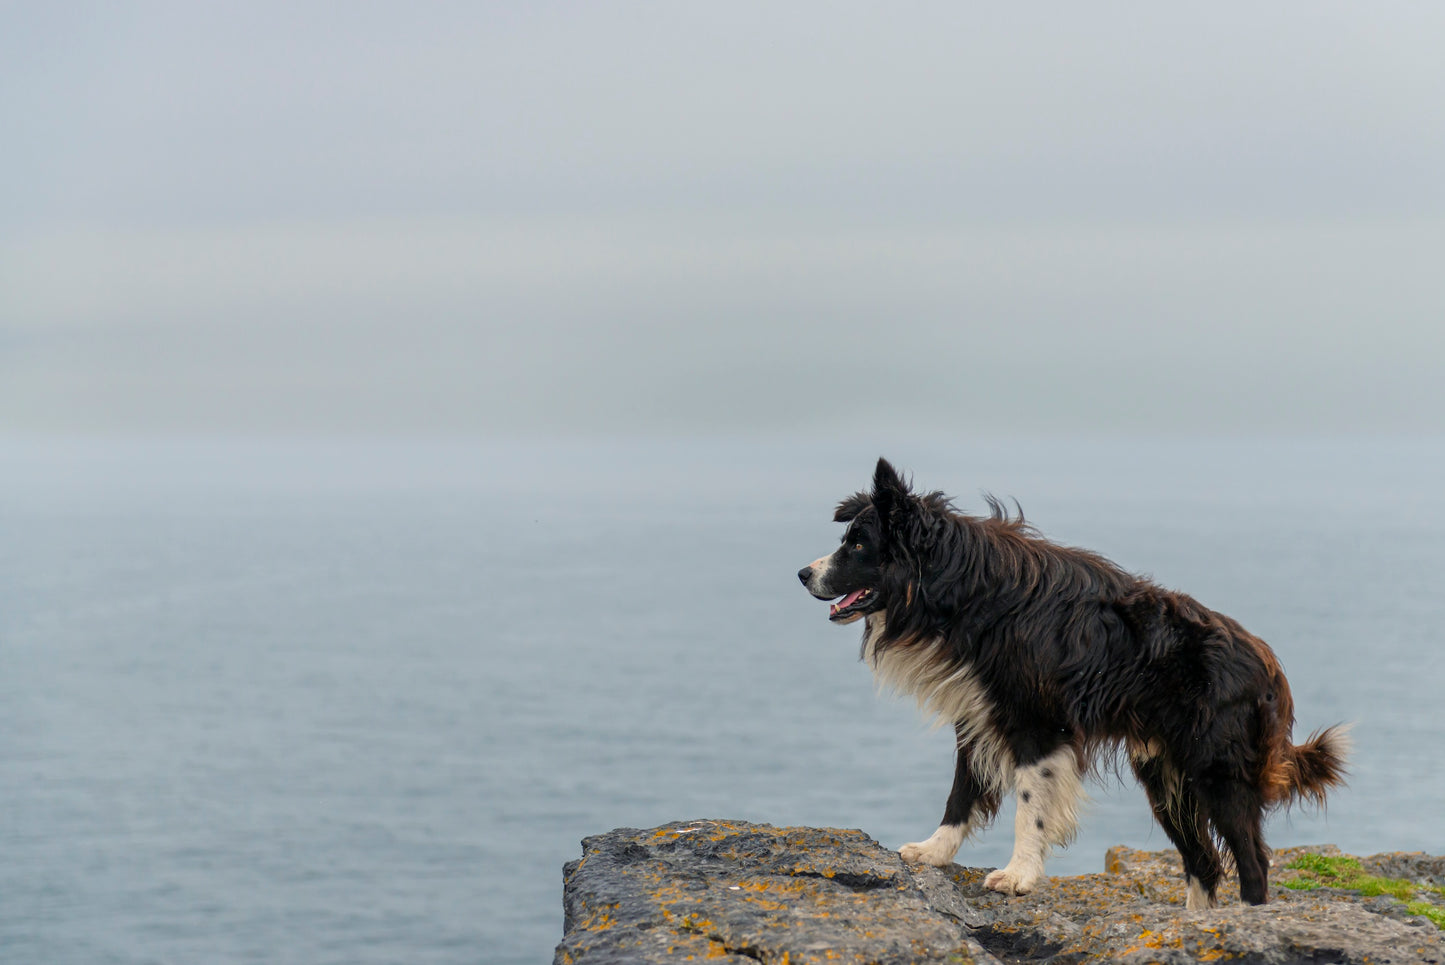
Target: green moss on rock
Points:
(1315, 871)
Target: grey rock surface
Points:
(748, 893)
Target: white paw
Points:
(938, 850)
(1197, 899)
(1010, 881)
(921, 852)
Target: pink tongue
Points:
(847, 601)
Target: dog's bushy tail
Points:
(1318, 765)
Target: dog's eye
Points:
(858, 547)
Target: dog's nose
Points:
(805, 574)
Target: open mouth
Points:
(850, 606)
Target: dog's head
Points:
(856, 573)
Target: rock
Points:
(748, 893)
(739, 892)
(1414, 866)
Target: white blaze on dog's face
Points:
(851, 574)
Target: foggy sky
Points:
(570, 218)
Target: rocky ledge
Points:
(749, 893)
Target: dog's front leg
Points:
(1049, 792)
(970, 806)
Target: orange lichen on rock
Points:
(740, 893)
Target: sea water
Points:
(358, 702)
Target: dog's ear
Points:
(890, 491)
(849, 508)
(887, 481)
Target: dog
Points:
(1046, 660)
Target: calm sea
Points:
(357, 702)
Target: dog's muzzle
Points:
(814, 576)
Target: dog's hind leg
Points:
(1237, 812)
(1049, 793)
(1179, 813)
(970, 806)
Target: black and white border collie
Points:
(1043, 659)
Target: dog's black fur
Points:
(1073, 652)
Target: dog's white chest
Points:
(950, 694)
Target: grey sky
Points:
(683, 217)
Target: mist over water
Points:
(358, 702)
